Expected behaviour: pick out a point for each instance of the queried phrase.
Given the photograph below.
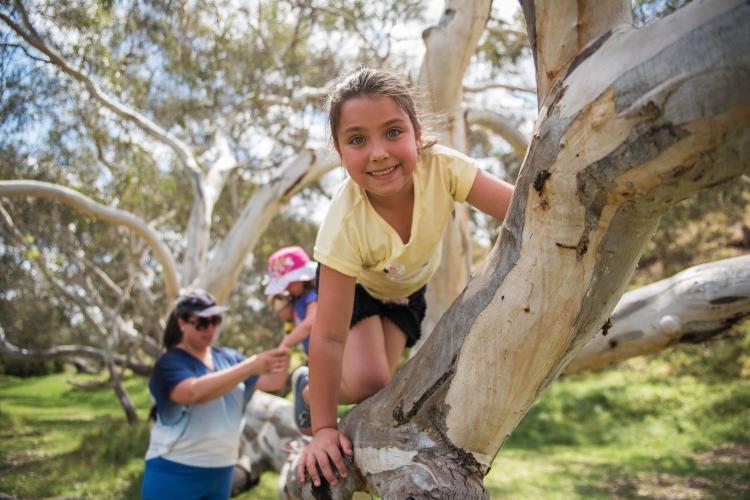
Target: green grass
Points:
(634, 432)
(630, 434)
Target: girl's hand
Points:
(325, 447)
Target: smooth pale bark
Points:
(559, 30)
(115, 216)
(221, 273)
(693, 306)
(268, 437)
(448, 50)
(501, 126)
(639, 120)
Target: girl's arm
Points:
(490, 195)
(195, 390)
(335, 302)
(329, 332)
(303, 329)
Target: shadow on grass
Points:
(107, 451)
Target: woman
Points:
(201, 393)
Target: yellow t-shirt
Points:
(356, 241)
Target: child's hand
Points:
(325, 447)
(275, 360)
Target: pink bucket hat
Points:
(286, 266)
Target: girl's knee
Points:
(373, 384)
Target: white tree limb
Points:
(691, 306)
(500, 125)
(220, 275)
(476, 89)
(83, 204)
(449, 47)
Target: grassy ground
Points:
(634, 432)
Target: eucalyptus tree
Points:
(149, 145)
(631, 121)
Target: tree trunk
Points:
(631, 124)
(448, 50)
(701, 303)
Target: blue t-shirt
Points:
(299, 305)
(201, 435)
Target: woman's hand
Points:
(325, 448)
(274, 360)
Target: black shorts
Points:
(408, 317)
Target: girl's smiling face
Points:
(378, 145)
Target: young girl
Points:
(291, 271)
(378, 246)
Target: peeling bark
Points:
(612, 162)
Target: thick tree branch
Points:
(70, 352)
(559, 30)
(500, 125)
(222, 271)
(695, 305)
(85, 205)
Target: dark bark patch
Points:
(540, 179)
(322, 492)
(612, 344)
(583, 246)
(447, 17)
(644, 143)
(630, 309)
(607, 326)
(727, 300)
(398, 412)
(586, 53)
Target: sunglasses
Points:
(203, 323)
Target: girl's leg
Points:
(366, 367)
(395, 342)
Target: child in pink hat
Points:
(291, 272)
